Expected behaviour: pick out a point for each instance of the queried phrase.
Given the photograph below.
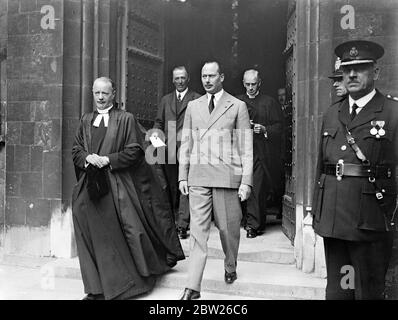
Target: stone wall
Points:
(3, 99)
(34, 72)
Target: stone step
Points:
(272, 246)
(255, 279)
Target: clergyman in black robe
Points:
(268, 172)
(126, 237)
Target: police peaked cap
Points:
(336, 75)
(359, 51)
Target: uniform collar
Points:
(361, 102)
(255, 95)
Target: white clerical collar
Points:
(217, 96)
(255, 95)
(182, 94)
(102, 114)
(361, 102)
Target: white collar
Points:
(255, 95)
(217, 96)
(183, 93)
(361, 102)
(102, 114)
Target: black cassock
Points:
(268, 171)
(127, 237)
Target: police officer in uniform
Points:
(337, 78)
(355, 193)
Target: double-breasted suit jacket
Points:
(348, 209)
(217, 148)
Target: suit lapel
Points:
(203, 110)
(187, 98)
(368, 113)
(173, 104)
(344, 112)
(222, 106)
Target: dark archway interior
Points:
(201, 30)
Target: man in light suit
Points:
(169, 120)
(216, 168)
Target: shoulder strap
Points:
(351, 141)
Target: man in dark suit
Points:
(268, 175)
(169, 120)
(216, 168)
(355, 192)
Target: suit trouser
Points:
(369, 262)
(225, 205)
(179, 202)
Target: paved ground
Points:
(35, 283)
(28, 278)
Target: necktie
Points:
(179, 97)
(211, 104)
(354, 111)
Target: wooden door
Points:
(145, 58)
(289, 214)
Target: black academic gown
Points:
(267, 157)
(128, 236)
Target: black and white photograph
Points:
(222, 151)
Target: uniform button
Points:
(343, 147)
(325, 133)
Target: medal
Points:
(380, 123)
(373, 131)
(381, 132)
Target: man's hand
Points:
(244, 192)
(259, 128)
(183, 186)
(97, 160)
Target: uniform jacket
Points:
(169, 119)
(348, 209)
(217, 148)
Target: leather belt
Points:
(356, 170)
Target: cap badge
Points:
(353, 52)
(337, 64)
